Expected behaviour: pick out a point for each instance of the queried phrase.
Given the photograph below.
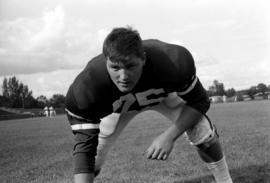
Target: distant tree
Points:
(239, 97)
(3, 101)
(215, 82)
(220, 89)
(5, 88)
(17, 94)
(230, 92)
(42, 101)
(3, 98)
(27, 99)
(216, 89)
(58, 100)
(11, 91)
(252, 91)
(261, 87)
(211, 91)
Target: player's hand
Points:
(160, 148)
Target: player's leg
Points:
(47, 113)
(110, 128)
(203, 136)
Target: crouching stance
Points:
(132, 76)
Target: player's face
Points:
(125, 74)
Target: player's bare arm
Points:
(162, 145)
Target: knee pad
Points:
(108, 125)
(209, 141)
(202, 133)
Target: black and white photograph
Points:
(135, 91)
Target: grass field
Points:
(39, 149)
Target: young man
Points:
(132, 76)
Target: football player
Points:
(46, 111)
(132, 76)
(51, 111)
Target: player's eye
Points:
(131, 66)
(115, 68)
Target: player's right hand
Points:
(160, 148)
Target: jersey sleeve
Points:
(85, 127)
(191, 89)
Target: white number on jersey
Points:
(142, 96)
(127, 100)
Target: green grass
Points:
(39, 149)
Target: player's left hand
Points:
(160, 148)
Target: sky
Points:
(46, 43)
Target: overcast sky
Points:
(46, 43)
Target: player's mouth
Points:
(124, 84)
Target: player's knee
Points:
(108, 125)
(107, 130)
(213, 139)
(107, 133)
(203, 134)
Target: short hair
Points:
(122, 43)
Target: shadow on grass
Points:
(250, 174)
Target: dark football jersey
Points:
(92, 95)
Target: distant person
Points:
(51, 111)
(132, 76)
(46, 111)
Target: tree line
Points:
(218, 89)
(15, 94)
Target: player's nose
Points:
(123, 75)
